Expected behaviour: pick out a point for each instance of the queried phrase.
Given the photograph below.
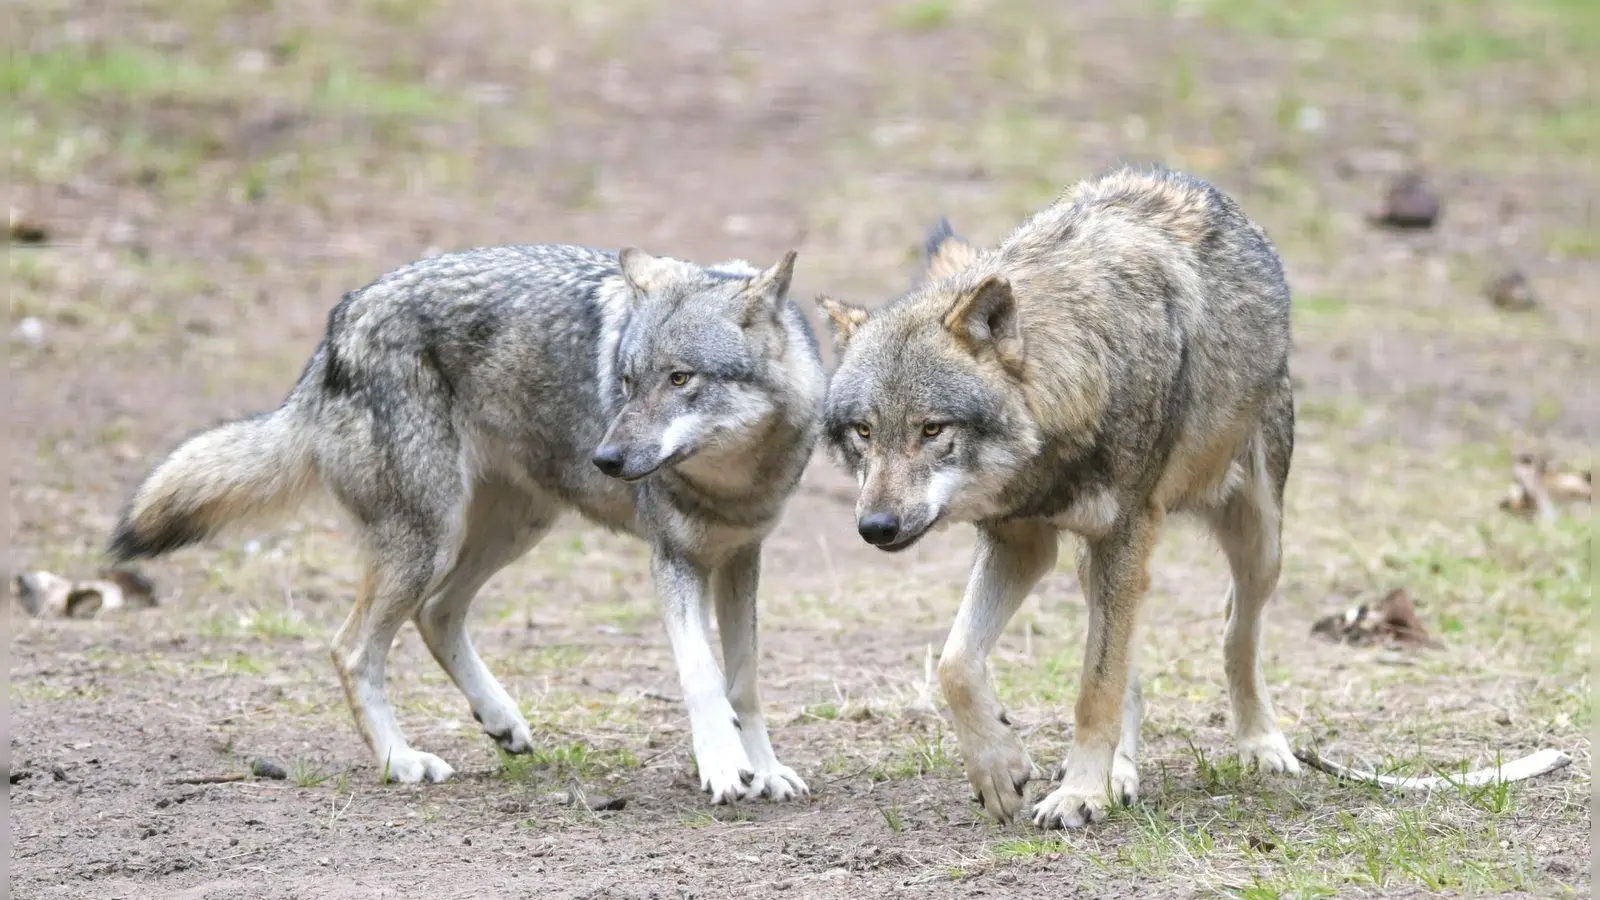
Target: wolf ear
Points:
(985, 318)
(639, 270)
(946, 253)
(769, 288)
(843, 318)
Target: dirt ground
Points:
(209, 176)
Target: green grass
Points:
(923, 15)
(923, 754)
(893, 817)
(1573, 243)
(574, 759)
(308, 774)
(70, 77)
(1448, 33)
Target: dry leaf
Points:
(1393, 623)
(1539, 490)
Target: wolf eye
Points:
(678, 379)
(932, 429)
(864, 430)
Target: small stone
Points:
(29, 331)
(1502, 718)
(1511, 292)
(266, 768)
(252, 62)
(23, 230)
(1410, 203)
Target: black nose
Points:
(879, 528)
(608, 459)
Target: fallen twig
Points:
(208, 779)
(1531, 766)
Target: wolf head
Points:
(925, 406)
(694, 360)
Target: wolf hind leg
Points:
(402, 480)
(399, 576)
(503, 523)
(1249, 528)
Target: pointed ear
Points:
(639, 270)
(985, 319)
(843, 318)
(769, 288)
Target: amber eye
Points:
(678, 379)
(864, 430)
(932, 429)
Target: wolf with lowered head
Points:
(1121, 356)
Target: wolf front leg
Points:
(719, 754)
(1114, 572)
(736, 584)
(1010, 560)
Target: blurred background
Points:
(194, 183)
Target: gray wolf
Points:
(458, 405)
(1122, 355)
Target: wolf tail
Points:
(945, 253)
(248, 470)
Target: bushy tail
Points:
(248, 470)
(945, 253)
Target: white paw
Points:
(998, 771)
(508, 729)
(725, 770)
(1125, 780)
(1072, 806)
(776, 782)
(1268, 752)
(408, 766)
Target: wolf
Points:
(1121, 356)
(458, 405)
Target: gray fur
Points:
(1121, 355)
(455, 408)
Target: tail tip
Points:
(129, 543)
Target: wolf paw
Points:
(1071, 806)
(725, 774)
(1268, 752)
(999, 772)
(508, 730)
(407, 766)
(777, 782)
